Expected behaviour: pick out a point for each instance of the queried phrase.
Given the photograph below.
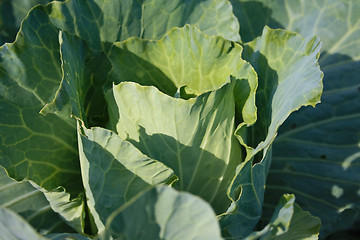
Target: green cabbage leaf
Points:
(183, 119)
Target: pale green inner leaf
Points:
(317, 147)
(164, 213)
(289, 78)
(193, 137)
(14, 227)
(186, 58)
(114, 171)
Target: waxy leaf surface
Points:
(289, 222)
(164, 213)
(12, 12)
(14, 227)
(317, 152)
(193, 137)
(289, 77)
(114, 171)
(188, 62)
(35, 147)
(101, 23)
(31, 204)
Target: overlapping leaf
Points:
(43, 148)
(30, 68)
(316, 154)
(31, 204)
(289, 77)
(13, 227)
(164, 213)
(188, 61)
(102, 23)
(72, 209)
(289, 222)
(40, 148)
(12, 12)
(193, 137)
(247, 193)
(114, 171)
(81, 90)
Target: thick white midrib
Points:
(9, 185)
(38, 212)
(202, 146)
(290, 14)
(169, 68)
(21, 198)
(227, 157)
(178, 156)
(335, 47)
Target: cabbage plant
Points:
(155, 119)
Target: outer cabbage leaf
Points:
(289, 77)
(81, 90)
(114, 171)
(316, 155)
(14, 227)
(31, 204)
(163, 213)
(43, 149)
(247, 194)
(73, 210)
(193, 137)
(30, 68)
(188, 63)
(336, 22)
(35, 147)
(101, 23)
(289, 222)
(39, 148)
(12, 12)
